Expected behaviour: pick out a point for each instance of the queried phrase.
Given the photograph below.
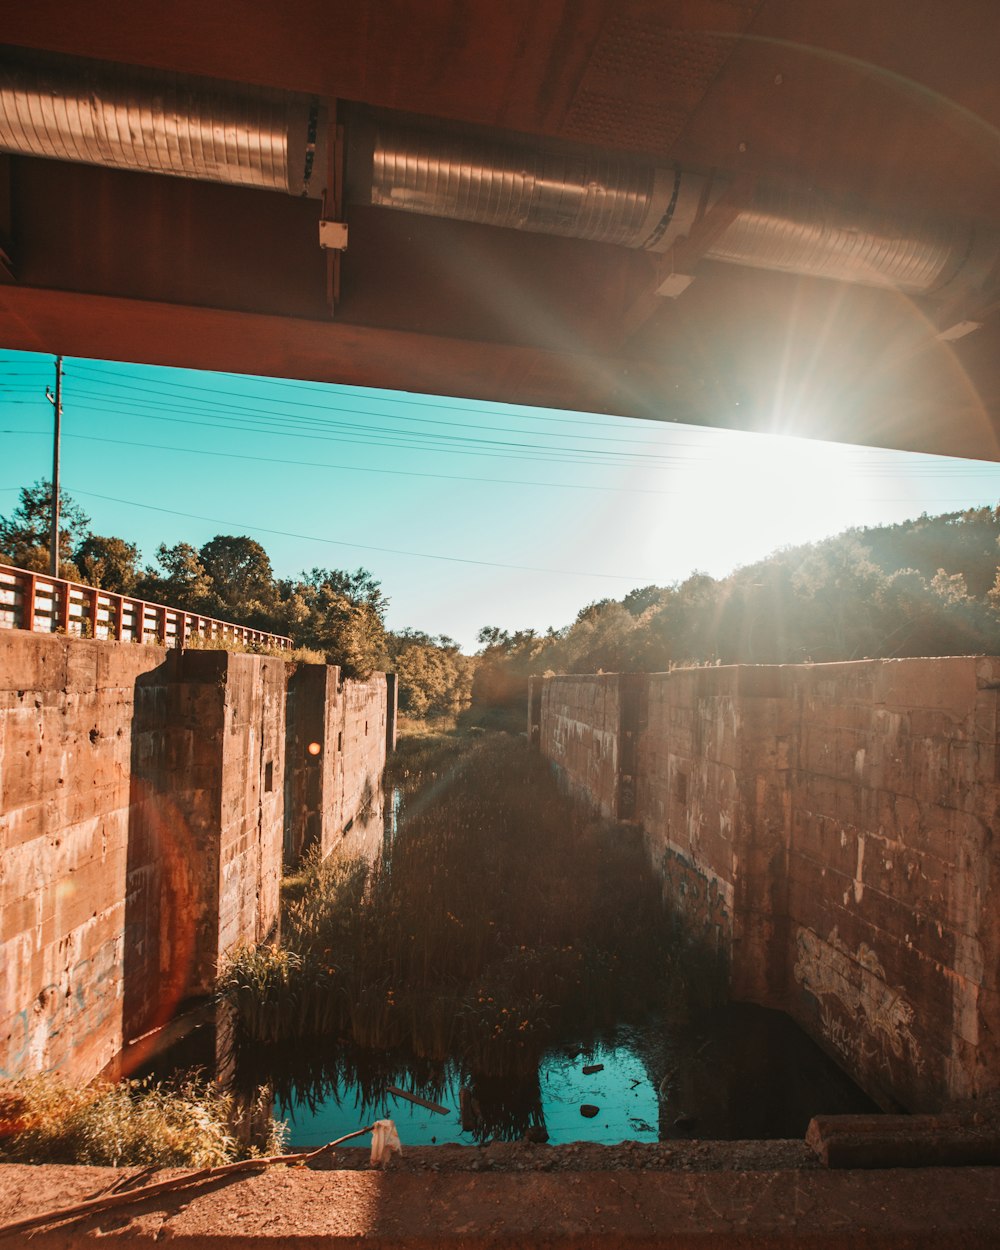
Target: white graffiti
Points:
(828, 969)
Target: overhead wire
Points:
(313, 464)
(284, 425)
(284, 422)
(336, 542)
(367, 469)
(867, 458)
(354, 436)
(330, 407)
(281, 420)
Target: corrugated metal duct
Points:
(161, 123)
(638, 205)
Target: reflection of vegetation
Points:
(314, 1073)
(188, 1124)
(499, 918)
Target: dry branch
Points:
(422, 1102)
(93, 1206)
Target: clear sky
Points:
(469, 513)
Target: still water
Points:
(736, 1072)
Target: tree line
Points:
(926, 587)
(929, 586)
(338, 614)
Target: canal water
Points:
(736, 1072)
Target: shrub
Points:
(43, 1119)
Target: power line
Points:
(283, 421)
(394, 397)
(445, 477)
(287, 430)
(293, 420)
(866, 456)
(328, 407)
(334, 542)
(341, 468)
(285, 427)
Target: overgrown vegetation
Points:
(294, 655)
(44, 1119)
(499, 919)
(925, 587)
(930, 586)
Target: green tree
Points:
(339, 613)
(504, 663)
(24, 535)
(183, 582)
(242, 581)
(109, 563)
(435, 679)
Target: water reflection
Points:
(735, 1072)
(393, 812)
(544, 1106)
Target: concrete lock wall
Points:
(830, 830)
(338, 735)
(142, 801)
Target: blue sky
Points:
(468, 513)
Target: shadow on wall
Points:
(169, 879)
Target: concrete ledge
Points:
(286, 1208)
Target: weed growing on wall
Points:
(216, 642)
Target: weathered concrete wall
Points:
(829, 829)
(338, 735)
(141, 828)
(66, 745)
(894, 872)
(251, 821)
(580, 724)
(140, 838)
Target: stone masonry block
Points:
(945, 684)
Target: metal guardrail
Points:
(35, 601)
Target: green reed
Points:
(500, 917)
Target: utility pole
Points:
(56, 402)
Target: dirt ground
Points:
(684, 1156)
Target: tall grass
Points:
(44, 1119)
(499, 918)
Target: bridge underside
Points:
(883, 106)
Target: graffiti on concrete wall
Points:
(863, 1017)
(65, 1016)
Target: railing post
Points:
(24, 610)
(28, 603)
